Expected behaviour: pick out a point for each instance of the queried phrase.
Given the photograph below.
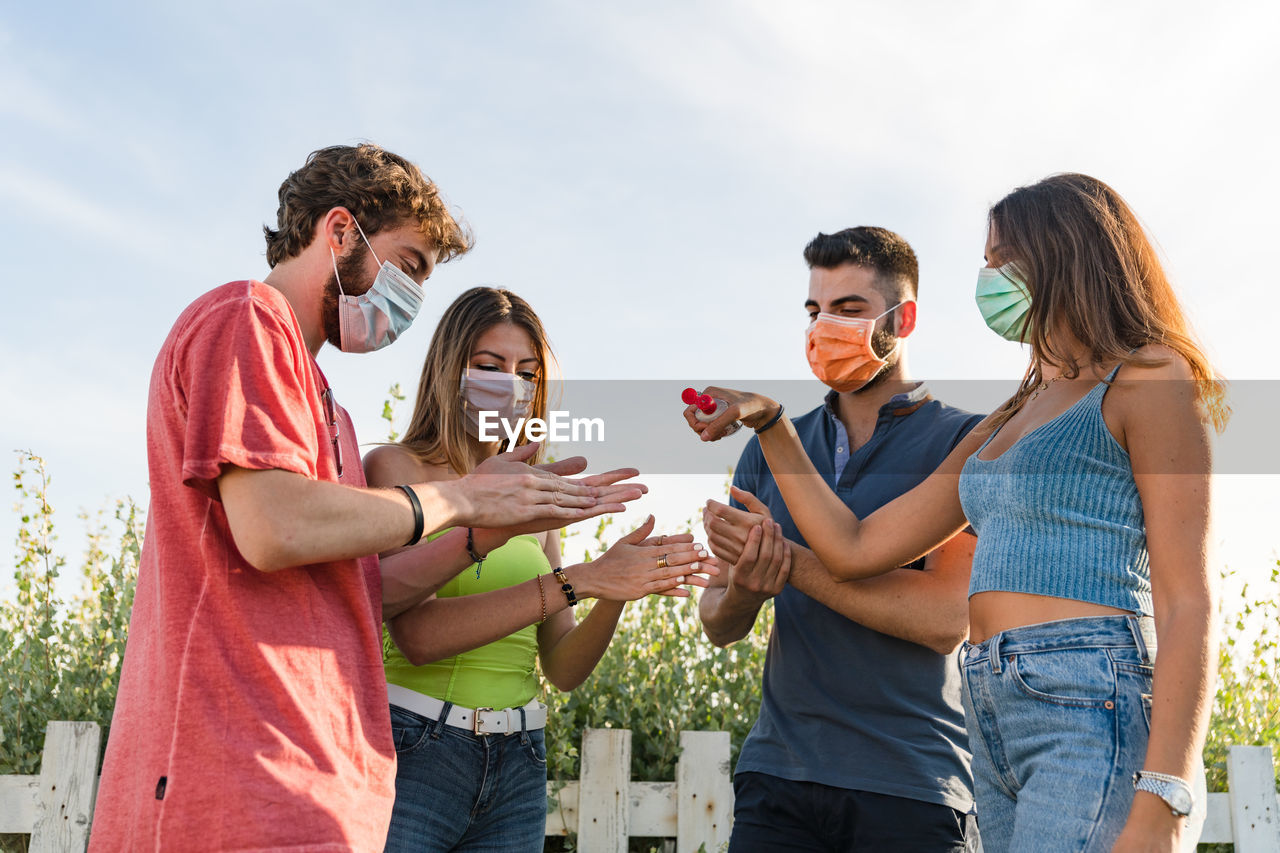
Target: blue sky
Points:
(644, 174)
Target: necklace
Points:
(1043, 385)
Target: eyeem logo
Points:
(559, 427)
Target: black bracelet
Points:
(471, 551)
(773, 420)
(565, 586)
(418, 521)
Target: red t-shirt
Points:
(258, 698)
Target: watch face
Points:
(1180, 800)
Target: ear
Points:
(334, 227)
(906, 319)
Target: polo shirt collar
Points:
(898, 404)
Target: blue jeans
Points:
(1058, 716)
(456, 791)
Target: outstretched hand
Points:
(754, 410)
(638, 565)
(505, 492)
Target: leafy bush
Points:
(61, 660)
(1247, 710)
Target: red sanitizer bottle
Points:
(709, 408)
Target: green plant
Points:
(1247, 706)
(61, 659)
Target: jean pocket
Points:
(535, 747)
(408, 730)
(1081, 678)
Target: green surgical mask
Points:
(1004, 301)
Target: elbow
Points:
(719, 639)
(564, 682)
(268, 545)
(949, 636)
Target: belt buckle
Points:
(475, 722)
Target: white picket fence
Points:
(605, 806)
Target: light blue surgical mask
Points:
(1004, 301)
(381, 314)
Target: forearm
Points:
(728, 617)
(909, 604)
(826, 523)
(410, 575)
(443, 627)
(280, 519)
(574, 656)
(1183, 687)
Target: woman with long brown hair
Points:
(1089, 491)
(471, 760)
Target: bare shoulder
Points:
(1164, 362)
(1158, 397)
(391, 464)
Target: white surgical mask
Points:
(381, 314)
(507, 394)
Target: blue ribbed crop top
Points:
(1058, 513)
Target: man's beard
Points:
(351, 270)
(882, 341)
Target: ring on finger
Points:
(661, 539)
(662, 561)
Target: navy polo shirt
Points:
(844, 705)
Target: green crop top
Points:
(499, 674)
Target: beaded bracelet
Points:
(566, 586)
(542, 596)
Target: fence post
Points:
(705, 808)
(604, 795)
(1255, 826)
(68, 786)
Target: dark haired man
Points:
(252, 708)
(860, 744)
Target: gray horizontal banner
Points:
(640, 423)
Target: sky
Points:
(646, 175)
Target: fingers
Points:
(565, 467)
(751, 550)
(668, 539)
(616, 493)
(750, 501)
(637, 535)
(523, 453)
(608, 478)
(784, 571)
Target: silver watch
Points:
(1174, 791)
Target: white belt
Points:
(480, 721)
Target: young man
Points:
(860, 744)
(252, 709)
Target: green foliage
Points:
(1247, 707)
(61, 660)
(394, 396)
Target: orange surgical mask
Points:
(839, 350)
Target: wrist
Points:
(1152, 815)
(580, 577)
(768, 408)
(487, 540)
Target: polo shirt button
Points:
(839, 450)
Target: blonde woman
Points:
(1089, 491)
(468, 727)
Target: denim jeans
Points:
(456, 791)
(1058, 716)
